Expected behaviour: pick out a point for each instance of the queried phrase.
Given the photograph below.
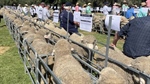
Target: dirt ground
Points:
(3, 49)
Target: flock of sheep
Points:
(47, 39)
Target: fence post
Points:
(108, 40)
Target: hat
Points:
(67, 4)
(77, 3)
(32, 5)
(42, 3)
(89, 3)
(26, 4)
(84, 5)
(143, 4)
(115, 4)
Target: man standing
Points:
(46, 14)
(33, 11)
(106, 9)
(40, 11)
(88, 9)
(66, 19)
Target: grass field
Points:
(11, 66)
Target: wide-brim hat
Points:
(89, 3)
(115, 4)
(26, 4)
(143, 4)
(84, 5)
(77, 3)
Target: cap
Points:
(67, 4)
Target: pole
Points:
(108, 41)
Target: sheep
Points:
(67, 68)
(88, 41)
(117, 55)
(76, 37)
(109, 76)
(142, 64)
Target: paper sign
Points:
(136, 10)
(101, 9)
(124, 9)
(145, 10)
(56, 16)
(115, 22)
(86, 22)
(76, 16)
(109, 9)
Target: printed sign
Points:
(86, 22)
(76, 16)
(115, 25)
(56, 16)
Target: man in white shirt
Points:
(40, 11)
(25, 9)
(19, 8)
(106, 9)
(32, 11)
(46, 13)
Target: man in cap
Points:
(66, 19)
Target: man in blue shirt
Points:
(130, 12)
(66, 20)
(137, 42)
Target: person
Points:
(88, 9)
(32, 11)
(46, 13)
(105, 9)
(148, 3)
(130, 12)
(77, 7)
(19, 8)
(25, 9)
(141, 12)
(66, 19)
(40, 11)
(137, 41)
(124, 7)
(84, 9)
(116, 9)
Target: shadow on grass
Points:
(2, 26)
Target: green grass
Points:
(11, 65)
(103, 39)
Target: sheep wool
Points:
(67, 68)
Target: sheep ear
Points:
(53, 52)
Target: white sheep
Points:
(67, 68)
(109, 76)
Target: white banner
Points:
(56, 16)
(86, 22)
(115, 22)
(76, 16)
